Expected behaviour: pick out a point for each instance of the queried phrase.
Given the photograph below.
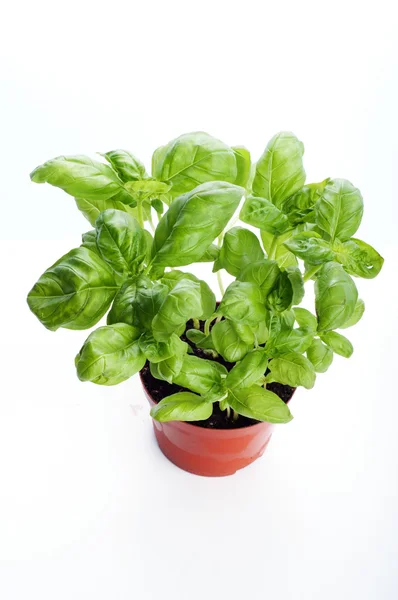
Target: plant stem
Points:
(228, 409)
(311, 272)
(235, 416)
(196, 323)
(272, 250)
(151, 225)
(140, 214)
(220, 283)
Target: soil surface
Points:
(159, 389)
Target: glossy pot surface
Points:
(210, 452)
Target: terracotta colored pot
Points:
(210, 452)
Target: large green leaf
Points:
(305, 318)
(157, 352)
(320, 355)
(257, 403)
(356, 315)
(292, 369)
(82, 177)
(75, 292)
(201, 376)
(192, 222)
(208, 298)
(182, 303)
(335, 296)
(283, 256)
(264, 274)
(192, 159)
(92, 208)
(261, 213)
(279, 171)
(243, 165)
(243, 302)
(121, 241)
(338, 343)
(110, 355)
(286, 341)
(248, 371)
(232, 340)
(310, 247)
(288, 290)
(240, 248)
(358, 258)
(183, 406)
(126, 165)
(339, 210)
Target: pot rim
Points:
(208, 431)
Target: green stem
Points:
(151, 225)
(140, 214)
(235, 416)
(220, 283)
(228, 409)
(196, 323)
(272, 250)
(311, 272)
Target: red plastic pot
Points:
(210, 452)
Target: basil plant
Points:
(197, 184)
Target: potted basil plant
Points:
(218, 376)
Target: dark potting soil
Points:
(159, 389)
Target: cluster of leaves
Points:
(120, 269)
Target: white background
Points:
(89, 508)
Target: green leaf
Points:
(243, 302)
(183, 406)
(356, 315)
(211, 254)
(261, 213)
(157, 352)
(288, 291)
(320, 355)
(193, 159)
(339, 210)
(299, 208)
(82, 177)
(283, 256)
(310, 247)
(287, 341)
(91, 209)
(232, 340)
(335, 296)
(182, 303)
(240, 248)
(200, 339)
(149, 242)
(248, 371)
(110, 355)
(123, 309)
(305, 318)
(75, 292)
(167, 369)
(149, 298)
(89, 241)
(257, 403)
(279, 171)
(121, 241)
(192, 222)
(338, 343)
(291, 369)
(201, 376)
(263, 273)
(146, 189)
(208, 298)
(358, 258)
(126, 165)
(243, 165)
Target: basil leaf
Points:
(157, 352)
(208, 298)
(338, 343)
(110, 355)
(82, 177)
(305, 318)
(149, 242)
(92, 208)
(210, 255)
(167, 369)
(243, 302)
(240, 248)
(291, 369)
(201, 376)
(121, 241)
(231, 340)
(288, 291)
(286, 341)
(192, 222)
(339, 210)
(146, 189)
(356, 315)
(303, 201)
(149, 298)
(74, 293)
(261, 213)
(200, 339)
(320, 355)
(192, 159)
(123, 309)
(126, 165)
(358, 258)
(335, 296)
(283, 256)
(248, 371)
(183, 406)
(262, 273)
(257, 403)
(243, 165)
(310, 247)
(89, 241)
(182, 303)
(279, 171)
